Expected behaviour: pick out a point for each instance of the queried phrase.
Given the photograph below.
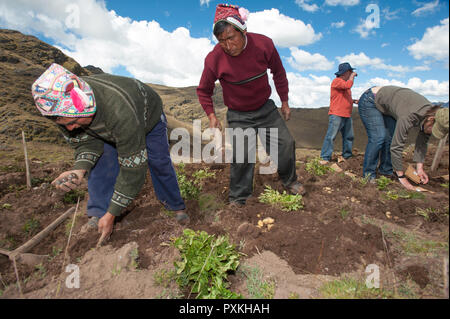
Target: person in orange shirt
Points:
(340, 113)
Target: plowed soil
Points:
(344, 226)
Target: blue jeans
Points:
(103, 176)
(336, 124)
(380, 130)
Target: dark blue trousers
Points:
(103, 176)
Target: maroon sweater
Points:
(259, 55)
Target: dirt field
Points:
(319, 251)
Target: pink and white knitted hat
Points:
(58, 92)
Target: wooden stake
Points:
(27, 166)
(17, 276)
(438, 155)
(67, 246)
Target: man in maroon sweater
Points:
(240, 61)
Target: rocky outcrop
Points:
(22, 59)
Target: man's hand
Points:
(421, 173)
(69, 180)
(355, 101)
(406, 184)
(285, 110)
(105, 226)
(404, 181)
(214, 122)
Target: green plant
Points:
(313, 166)
(202, 174)
(285, 201)
(425, 212)
(163, 277)
(6, 206)
(344, 213)
(205, 263)
(383, 182)
(394, 195)
(188, 189)
(134, 254)
(191, 188)
(40, 270)
(364, 180)
(55, 252)
(116, 270)
(294, 295)
(445, 185)
(31, 226)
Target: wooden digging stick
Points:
(27, 165)
(38, 238)
(438, 155)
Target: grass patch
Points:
(72, 196)
(409, 244)
(209, 203)
(36, 181)
(164, 277)
(285, 202)
(41, 271)
(257, 286)
(205, 263)
(12, 168)
(31, 226)
(348, 288)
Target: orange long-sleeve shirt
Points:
(341, 102)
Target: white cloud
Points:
(434, 43)
(390, 15)
(428, 7)
(365, 28)
(359, 60)
(302, 60)
(385, 44)
(107, 40)
(346, 3)
(306, 91)
(338, 25)
(362, 60)
(433, 90)
(305, 5)
(314, 91)
(284, 31)
(203, 2)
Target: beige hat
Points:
(440, 127)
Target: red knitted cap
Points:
(230, 13)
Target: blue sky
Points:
(402, 42)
